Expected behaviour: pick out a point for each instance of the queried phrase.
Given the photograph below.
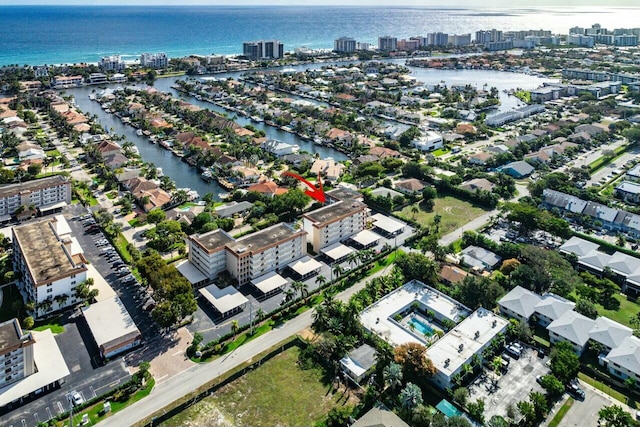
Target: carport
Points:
(365, 239)
(225, 301)
(269, 283)
(386, 226)
(191, 273)
(336, 253)
(305, 267)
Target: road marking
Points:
(92, 391)
(161, 378)
(49, 413)
(60, 408)
(177, 353)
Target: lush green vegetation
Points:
(454, 213)
(555, 422)
(53, 324)
(280, 392)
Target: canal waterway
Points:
(182, 173)
(187, 176)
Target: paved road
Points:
(585, 413)
(198, 375)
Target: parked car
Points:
(514, 352)
(77, 399)
(575, 391)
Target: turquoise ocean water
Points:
(71, 34)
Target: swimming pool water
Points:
(422, 327)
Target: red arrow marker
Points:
(313, 192)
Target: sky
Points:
(442, 3)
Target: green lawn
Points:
(606, 389)
(623, 315)
(555, 422)
(277, 393)
(440, 151)
(454, 213)
(52, 324)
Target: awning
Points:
(365, 238)
(305, 265)
(47, 208)
(387, 224)
(224, 300)
(269, 282)
(337, 251)
(190, 272)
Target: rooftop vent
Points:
(460, 347)
(476, 335)
(494, 323)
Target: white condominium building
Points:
(207, 252)
(16, 353)
(41, 193)
(270, 249)
(334, 223)
(51, 264)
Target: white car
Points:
(77, 399)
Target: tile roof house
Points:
(452, 275)
(269, 188)
(480, 158)
(478, 184)
(573, 328)
(410, 186)
(519, 303)
(384, 152)
(328, 168)
(609, 333)
(379, 417)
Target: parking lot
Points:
(512, 386)
(86, 378)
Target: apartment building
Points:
(63, 82)
(387, 43)
(154, 60)
(44, 194)
(334, 223)
(50, 263)
(207, 252)
(344, 44)
(267, 250)
(32, 362)
(112, 63)
(16, 353)
(263, 49)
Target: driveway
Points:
(585, 413)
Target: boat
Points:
(159, 172)
(139, 132)
(256, 119)
(206, 175)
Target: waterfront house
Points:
(327, 168)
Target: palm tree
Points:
(297, 286)
(393, 375)
(260, 314)
(289, 294)
(352, 258)
(234, 328)
(411, 397)
(321, 280)
(414, 211)
(61, 299)
(337, 271)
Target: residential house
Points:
(481, 158)
(268, 188)
(327, 168)
(410, 186)
(452, 275)
(551, 307)
(608, 333)
(359, 362)
(478, 184)
(628, 191)
(479, 258)
(518, 170)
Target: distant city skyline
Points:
(424, 3)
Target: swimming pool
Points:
(421, 327)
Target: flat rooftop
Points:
(225, 299)
(334, 212)
(11, 336)
(212, 240)
(378, 317)
(47, 257)
(459, 345)
(260, 240)
(109, 321)
(35, 185)
(50, 365)
(343, 193)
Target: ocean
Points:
(72, 34)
